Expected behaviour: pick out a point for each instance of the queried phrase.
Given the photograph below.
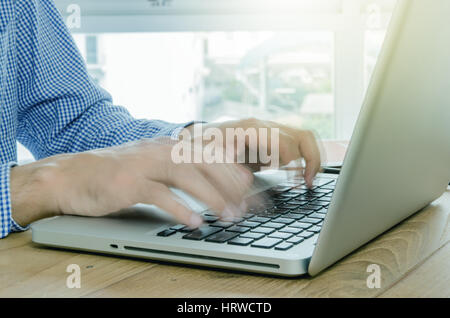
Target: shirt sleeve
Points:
(7, 224)
(61, 109)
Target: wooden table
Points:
(414, 258)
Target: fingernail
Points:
(195, 221)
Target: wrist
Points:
(192, 129)
(30, 193)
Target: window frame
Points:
(348, 19)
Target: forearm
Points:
(64, 111)
(99, 182)
(98, 126)
(30, 198)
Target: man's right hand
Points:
(99, 182)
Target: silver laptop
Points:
(397, 163)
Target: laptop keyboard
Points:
(288, 214)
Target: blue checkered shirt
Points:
(48, 102)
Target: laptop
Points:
(397, 163)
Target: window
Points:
(300, 62)
(374, 41)
(211, 76)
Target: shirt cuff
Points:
(15, 227)
(175, 133)
(7, 224)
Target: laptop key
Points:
(295, 216)
(299, 191)
(266, 242)
(278, 211)
(306, 234)
(221, 237)
(310, 220)
(284, 246)
(281, 235)
(283, 220)
(281, 200)
(294, 205)
(263, 230)
(292, 230)
(313, 196)
(248, 216)
(301, 225)
(187, 230)
(201, 233)
(321, 202)
(295, 240)
(315, 229)
(288, 195)
(299, 201)
(178, 227)
(321, 182)
(249, 224)
(273, 225)
(222, 224)
(324, 191)
(316, 215)
(238, 229)
(243, 241)
(301, 210)
(290, 206)
(259, 219)
(210, 219)
(252, 235)
(269, 214)
(279, 189)
(312, 207)
(166, 233)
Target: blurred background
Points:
(305, 63)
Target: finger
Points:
(289, 149)
(165, 199)
(310, 152)
(189, 178)
(232, 180)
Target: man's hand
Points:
(293, 144)
(100, 182)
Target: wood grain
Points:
(27, 270)
(430, 279)
(396, 252)
(33, 271)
